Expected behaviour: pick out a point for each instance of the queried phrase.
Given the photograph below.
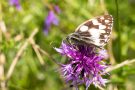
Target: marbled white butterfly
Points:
(95, 31)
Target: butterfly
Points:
(95, 31)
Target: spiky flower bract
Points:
(85, 64)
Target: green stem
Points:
(117, 28)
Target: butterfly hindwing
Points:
(94, 31)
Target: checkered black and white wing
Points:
(95, 31)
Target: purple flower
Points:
(15, 3)
(85, 65)
(50, 19)
(57, 9)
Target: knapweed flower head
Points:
(85, 64)
(15, 3)
(51, 19)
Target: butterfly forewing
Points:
(94, 31)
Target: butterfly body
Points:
(95, 31)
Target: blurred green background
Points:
(30, 72)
